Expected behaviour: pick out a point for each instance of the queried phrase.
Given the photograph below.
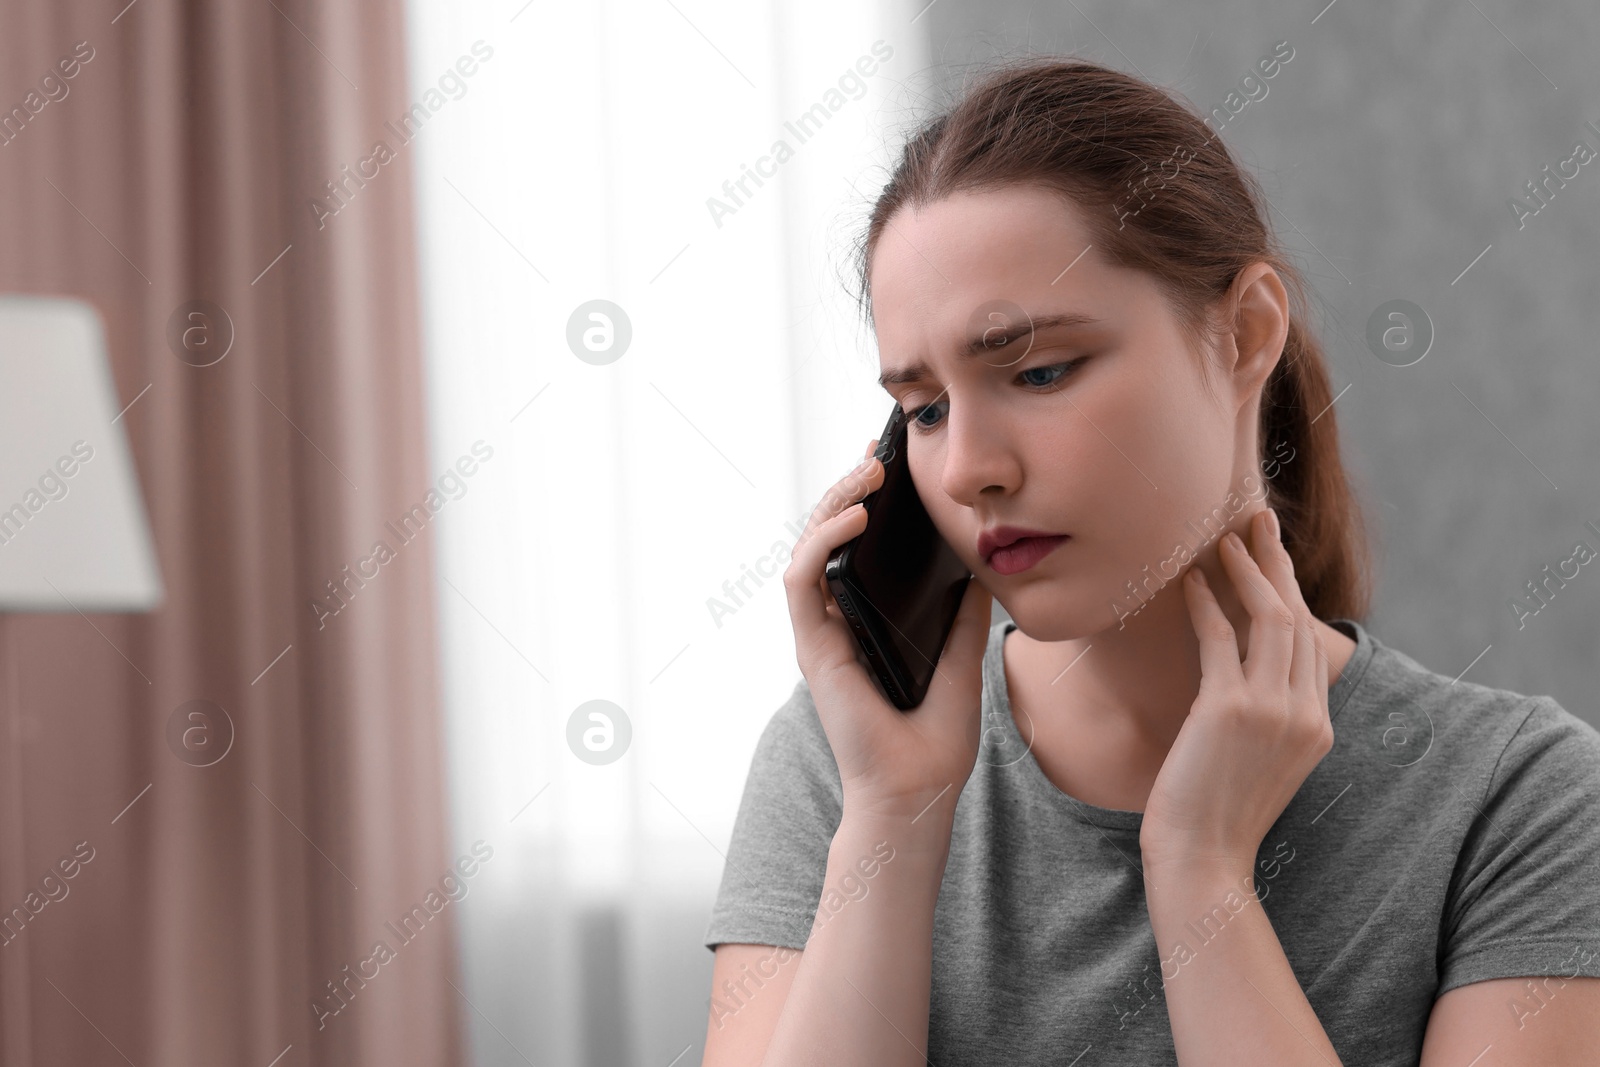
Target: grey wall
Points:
(1389, 146)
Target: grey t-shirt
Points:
(1451, 835)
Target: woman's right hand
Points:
(891, 762)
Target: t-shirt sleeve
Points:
(778, 853)
(1525, 896)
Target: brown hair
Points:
(1106, 141)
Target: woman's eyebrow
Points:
(989, 341)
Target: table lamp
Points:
(74, 537)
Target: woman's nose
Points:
(976, 458)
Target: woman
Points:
(1220, 823)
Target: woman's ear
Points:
(1260, 328)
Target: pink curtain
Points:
(154, 155)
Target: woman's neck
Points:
(1104, 710)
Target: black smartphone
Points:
(899, 583)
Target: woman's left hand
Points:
(1256, 729)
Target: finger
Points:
(830, 603)
(1308, 679)
(844, 494)
(1327, 667)
(1273, 560)
(1310, 671)
(1271, 647)
(847, 491)
(863, 478)
(1306, 672)
(808, 595)
(1219, 645)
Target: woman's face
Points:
(1121, 449)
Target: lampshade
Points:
(73, 529)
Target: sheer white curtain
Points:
(609, 526)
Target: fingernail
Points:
(1273, 525)
(1234, 541)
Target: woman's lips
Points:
(1020, 555)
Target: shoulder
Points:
(1402, 714)
(795, 730)
(793, 766)
(1496, 794)
(778, 851)
(1551, 751)
(1475, 804)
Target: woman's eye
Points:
(1058, 367)
(1034, 378)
